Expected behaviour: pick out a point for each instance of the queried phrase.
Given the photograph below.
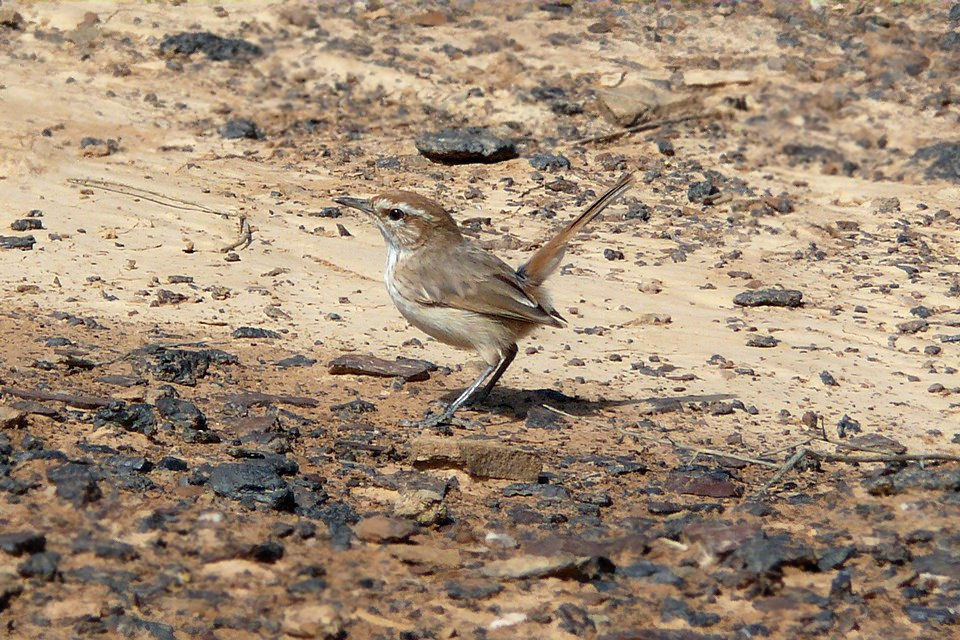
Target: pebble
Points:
(213, 46)
(254, 333)
(383, 529)
(480, 458)
(763, 342)
(241, 128)
(366, 365)
(464, 146)
(76, 483)
(698, 480)
(26, 224)
(24, 243)
(547, 162)
(253, 482)
(769, 298)
(17, 543)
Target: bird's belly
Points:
(488, 336)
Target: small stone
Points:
(26, 224)
(41, 565)
(613, 254)
(382, 529)
(423, 506)
(463, 146)
(846, 424)
(132, 417)
(11, 418)
(564, 565)
(18, 543)
(213, 46)
(365, 365)
(665, 147)
(181, 413)
(76, 483)
(253, 481)
(703, 192)
(932, 350)
(880, 443)
(827, 378)
(314, 621)
(913, 326)
(698, 480)
(254, 333)
(763, 342)
(549, 162)
(480, 458)
(241, 128)
(769, 298)
(24, 243)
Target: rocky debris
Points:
(480, 458)
(702, 481)
(912, 478)
(423, 506)
(76, 482)
(313, 620)
(11, 418)
(26, 224)
(913, 326)
(465, 146)
(241, 128)
(255, 333)
(630, 105)
(365, 365)
(213, 46)
(24, 243)
(181, 413)
(183, 366)
(549, 162)
(97, 147)
(769, 298)
(17, 543)
(382, 529)
(705, 192)
(298, 360)
(942, 160)
(563, 565)
(137, 417)
(761, 341)
(252, 482)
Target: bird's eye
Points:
(396, 214)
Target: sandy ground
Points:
(340, 119)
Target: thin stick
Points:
(169, 201)
(646, 126)
(787, 466)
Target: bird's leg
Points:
(504, 363)
(446, 415)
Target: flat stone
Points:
(383, 529)
(367, 365)
(762, 342)
(213, 46)
(17, 543)
(315, 621)
(480, 458)
(24, 243)
(424, 506)
(913, 326)
(563, 565)
(255, 333)
(76, 482)
(11, 418)
(465, 146)
(877, 442)
(769, 298)
(699, 481)
(255, 481)
(298, 360)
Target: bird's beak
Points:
(355, 203)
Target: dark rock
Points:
(167, 297)
(113, 550)
(665, 147)
(549, 491)
(280, 463)
(613, 254)
(24, 243)
(913, 326)
(769, 298)
(183, 366)
(954, 15)
(703, 192)
(827, 378)
(360, 365)
(133, 627)
(940, 562)
(267, 552)
(921, 311)
(841, 586)
(26, 224)
(41, 565)
(639, 211)
(939, 615)
(936, 479)
(19, 542)
(132, 417)
(296, 361)
(241, 128)
(835, 557)
(252, 482)
(181, 413)
(847, 424)
(698, 480)
(539, 417)
(353, 407)
(574, 619)
(472, 591)
(128, 464)
(765, 556)
(462, 146)
(213, 46)
(540, 162)
(942, 160)
(76, 483)
(121, 380)
(763, 342)
(255, 332)
(660, 634)
(811, 153)
(310, 586)
(673, 608)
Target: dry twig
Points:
(646, 126)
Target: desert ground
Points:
(750, 427)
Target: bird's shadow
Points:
(518, 402)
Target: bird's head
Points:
(407, 220)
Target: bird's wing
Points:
(483, 283)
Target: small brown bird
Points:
(459, 293)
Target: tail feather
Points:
(541, 264)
